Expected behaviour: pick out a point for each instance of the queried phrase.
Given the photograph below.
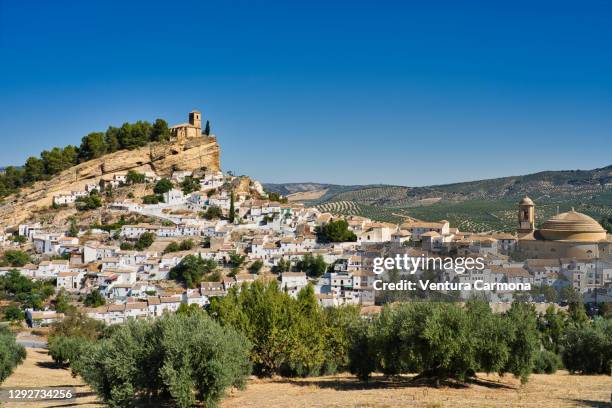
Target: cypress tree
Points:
(232, 210)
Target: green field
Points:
(474, 215)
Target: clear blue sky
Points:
(343, 92)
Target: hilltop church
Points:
(567, 235)
(189, 130)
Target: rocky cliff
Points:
(161, 158)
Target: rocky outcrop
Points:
(162, 158)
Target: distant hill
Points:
(474, 205)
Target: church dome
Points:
(572, 226)
(526, 201)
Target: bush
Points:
(11, 353)
(14, 313)
(546, 362)
(588, 347)
(163, 186)
(151, 199)
(65, 350)
(14, 257)
(94, 299)
(134, 177)
(335, 231)
(212, 212)
(144, 241)
(90, 202)
(443, 340)
(192, 269)
(181, 357)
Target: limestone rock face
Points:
(162, 158)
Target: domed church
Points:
(567, 235)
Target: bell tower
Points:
(195, 119)
(526, 215)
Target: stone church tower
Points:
(526, 216)
(189, 130)
(195, 119)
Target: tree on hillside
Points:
(335, 231)
(90, 202)
(73, 229)
(256, 266)
(160, 131)
(92, 146)
(313, 266)
(232, 209)
(236, 260)
(62, 302)
(94, 299)
(134, 177)
(283, 265)
(189, 185)
(15, 257)
(163, 186)
(111, 139)
(212, 212)
(192, 269)
(145, 240)
(34, 170)
(57, 160)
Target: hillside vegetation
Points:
(472, 206)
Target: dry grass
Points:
(38, 371)
(306, 195)
(559, 390)
(542, 391)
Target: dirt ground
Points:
(38, 370)
(559, 390)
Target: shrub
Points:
(11, 353)
(163, 186)
(151, 199)
(443, 340)
(335, 231)
(192, 269)
(94, 299)
(14, 257)
(546, 362)
(65, 350)
(588, 347)
(212, 212)
(144, 241)
(90, 202)
(14, 313)
(134, 177)
(181, 357)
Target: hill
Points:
(480, 205)
(160, 157)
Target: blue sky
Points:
(410, 93)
